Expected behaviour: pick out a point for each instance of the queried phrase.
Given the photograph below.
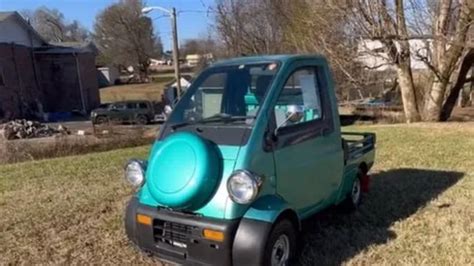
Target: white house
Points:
(371, 53)
(194, 59)
(185, 82)
(15, 29)
(108, 75)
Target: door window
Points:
(142, 106)
(131, 105)
(119, 106)
(208, 98)
(300, 100)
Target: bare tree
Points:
(198, 46)
(445, 24)
(336, 27)
(248, 27)
(125, 37)
(53, 27)
(281, 26)
(386, 23)
(315, 26)
(451, 24)
(453, 95)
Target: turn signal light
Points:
(213, 235)
(143, 219)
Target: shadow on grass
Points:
(332, 237)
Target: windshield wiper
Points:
(220, 117)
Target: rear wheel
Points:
(354, 196)
(281, 245)
(141, 120)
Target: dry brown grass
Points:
(15, 151)
(147, 91)
(419, 210)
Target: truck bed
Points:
(357, 144)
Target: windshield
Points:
(225, 94)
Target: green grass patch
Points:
(419, 211)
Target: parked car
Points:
(139, 112)
(252, 148)
(372, 102)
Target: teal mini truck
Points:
(253, 147)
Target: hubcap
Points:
(355, 194)
(281, 251)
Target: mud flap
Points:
(250, 242)
(130, 221)
(365, 183)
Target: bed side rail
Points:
(357, 144)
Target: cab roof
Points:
(283, 58)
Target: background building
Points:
(37, 77)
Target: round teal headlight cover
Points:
(183, 171)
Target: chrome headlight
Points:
(243, 186)
(135, 172)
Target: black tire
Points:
(354, 196)
(101, 120)
(141, 120)
(283, 231)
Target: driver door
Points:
(117, 112)
(307, 152)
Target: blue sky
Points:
(193, 21)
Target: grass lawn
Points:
(147, 91)
(419, 209)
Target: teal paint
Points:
(183, 171)
(267, 208)
(217, 204)
(292, 178)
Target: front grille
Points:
(175, 234)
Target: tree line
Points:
(334, 28)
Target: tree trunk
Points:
(435, 100)
(407, 89)
(448, 50)
(448, 106)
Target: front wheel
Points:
(281, 245)
(101, 120)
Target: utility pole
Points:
(174, 26)
(177, 73)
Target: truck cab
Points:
(253, 147)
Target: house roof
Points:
(82, 47)
(4, 15)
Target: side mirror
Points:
(168, 110)
(293, 114)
